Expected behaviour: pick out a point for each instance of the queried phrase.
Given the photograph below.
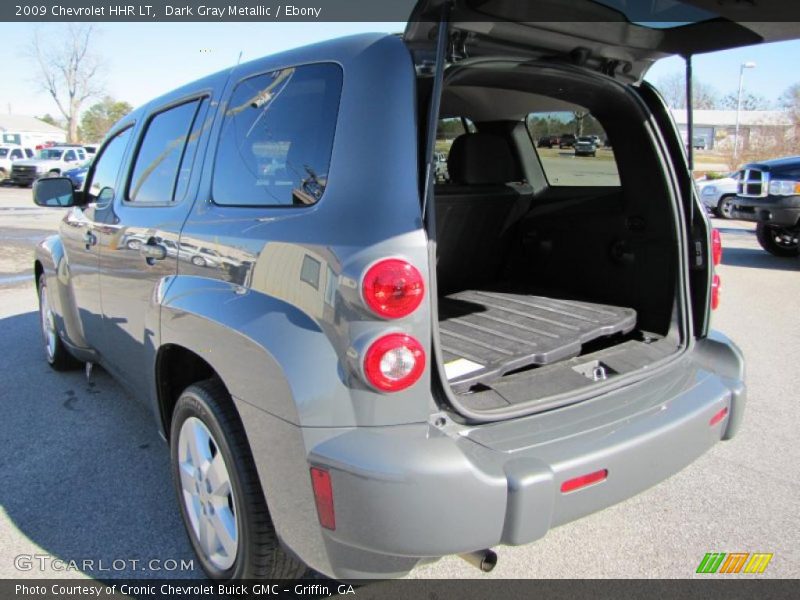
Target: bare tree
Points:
(69, 71)
(673, 88)
(790, 102)
(579, 116)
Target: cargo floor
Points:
(485, 334)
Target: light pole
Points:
(742, 67)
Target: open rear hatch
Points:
(515, 335)
(618, 37)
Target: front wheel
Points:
(220, 497)
(56, 352)
(778, 241)
(725, 207)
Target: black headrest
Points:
(482, 158)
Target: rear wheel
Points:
(778, 241)
(56, 352)
(218, 490)
(725, 207)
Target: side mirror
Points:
(54, 192)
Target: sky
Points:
(144, 60)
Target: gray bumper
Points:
(409, 492)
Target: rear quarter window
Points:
(564, 164)
(277, 137)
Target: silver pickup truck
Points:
(369, 369)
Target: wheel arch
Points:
(176, 368)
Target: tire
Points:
(237, 510)
(198, 261)
(772, 239)
(725, 207)
(58, 357)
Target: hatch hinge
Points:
(457, 48)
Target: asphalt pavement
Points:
(85, 477)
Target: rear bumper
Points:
(775, 210)
(405, 493)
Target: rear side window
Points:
(277, 137)
(158, 162)
(106, 168)
(573, 149)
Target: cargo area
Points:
(555, 272)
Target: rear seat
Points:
(474, 212)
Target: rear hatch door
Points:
(618, 37)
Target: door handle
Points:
(89, 239)
(153, 252)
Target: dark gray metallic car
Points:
(368, 370)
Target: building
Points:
(29, 131)
(717, 128)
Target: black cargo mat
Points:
(485, 334)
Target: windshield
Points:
(50, 154)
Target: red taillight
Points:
(323, 495)
(715, 289)
(716, 247)
(393, 288)
(394, 362)
(580, 482)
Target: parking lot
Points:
(85, 476)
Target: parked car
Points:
(717, 195)
(441, 166)
(9, 154)
(396, 370)
(77, 174)
(585, 146)
(699, 143)
(548, 141)
(769, 194)
(49, 162)
(567, 140)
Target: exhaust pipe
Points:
(485, 560)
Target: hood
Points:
(35, 162)
(617, 37)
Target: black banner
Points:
(730, 588)
(393, 10)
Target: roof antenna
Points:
(239, 60)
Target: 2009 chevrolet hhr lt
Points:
(359, 368)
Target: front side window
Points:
(3, 152)
(158, 161)
(107, 166)
(277, 137)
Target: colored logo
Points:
(734, 562)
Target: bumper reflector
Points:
(323, 495)
(718, 417)
(584, 480)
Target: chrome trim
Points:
(753, 184)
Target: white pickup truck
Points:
(9, 154)
(48, 163)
